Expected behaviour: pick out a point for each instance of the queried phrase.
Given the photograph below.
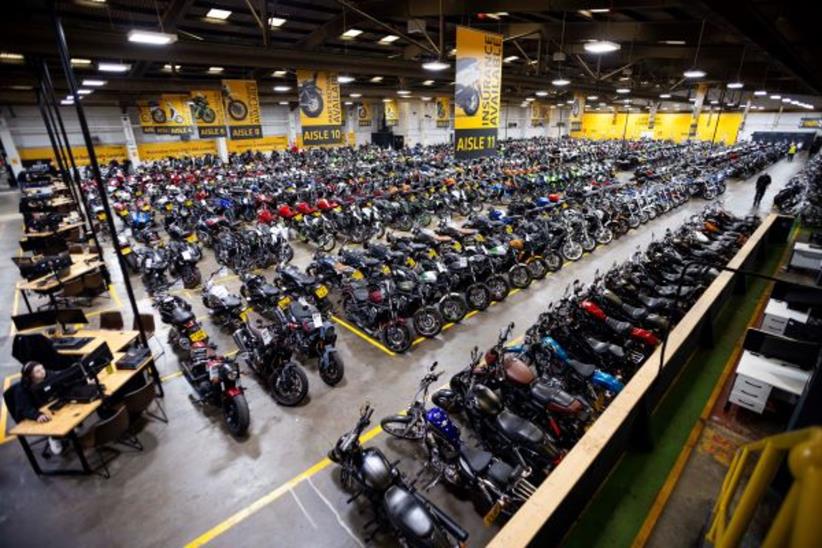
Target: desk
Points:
(65, 227)
(757, 376)
(777, 314)
(805, 256)
(65, 420)
(82, 265)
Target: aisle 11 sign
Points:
(320, 112)
(477, 93)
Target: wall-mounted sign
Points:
(166, 115)
(392, 113)
(320, 112)
(208, 113)
(242, 108)
(443, 111)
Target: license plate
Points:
(244, 315)
(432, 253)
(509, 230)
(125, 250)
(357, 275)
(411, 263)
(192, 238)
(101, 216)
(285, 301)
(267, 338)
(479, 238)
(321, 292)
(386, 270)
(186, 255)
(457, 246)
(316, 214)
(492, 514)
(317, 319)
(298, 217)
(149, 263)
(197, 336)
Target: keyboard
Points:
(70, 343)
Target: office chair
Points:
(138, 401)
(104, 434)
(150, 328)
(112, 320)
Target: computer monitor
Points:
(97, 359)
(70, 316)
(46, 318)
(58, 383)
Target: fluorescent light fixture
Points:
(275, 22)
(350, 34)
(786, 100)
(530, 99)
(510, 58)
(215, 13)
(776, 97)
(215, 70)
(569, 102)
(735, 85)
(282, 89)
(403, 92)
(559, 82)
(601, 46)
(664, 95)
(428, 83)
(345, 79)
(78, 62)
(355, 95)
(84, 91)
(425, 98)
(541, 93)
(284, 103)
(435, 66)
(113, 67)
(94, 83)
(603, 104)
(694, 73)
(8, 56)
(151, 38)
(623, 90)
(349, 103)
(20, 87)
(168, 68)
(388, 38)
(673, 42)
(387, 100)
(715, 102)
(376, 79)
(279, 73)
(592, 97)
(67, 102)
(760, 92)
(599, 10)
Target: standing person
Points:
(791, 152)
(761, 186)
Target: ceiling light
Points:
(541, 93)
(345, 79)
(7, 56)
(67, 102)
(94, 83)
(284, 103)
(275, 22)
(388, 38)
(215, 13)
(776, 97)
(349, 103)
(20, 87)
(786, 100)
(603, 104)
(530, 99)
(350, 34)
(694, 73)
(664, 95)
(593, 97)
(169, 68)
(387, 100)
(570, 101)
(376, 79)
(452, 53)
(435, 66)
(428, 83)
(215, 70)
(84, 91)
(510, 58)
(623, 90)
(282, 89)
(601, 46)
(599, 10)
(559, 82)
(760, 92)
(673, 42)
(714, 102)
(151, 38)
(279, 73)
(735, 85)
(355, 95)
(113, 67)
(403, 92)
(77, 62)
(425, 98)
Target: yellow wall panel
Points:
(263, 144)
(150, 152)
(667, 125)
(104, 153)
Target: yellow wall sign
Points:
(365, 115)
(242, 107)
(537, 114)
(443, 112)
(104, 153)
(263, 144)
(577, 112)
(477, 92)
(320, 111)
(165, 115)
(150, 152)
(392, 112)
(208, 113)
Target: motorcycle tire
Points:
(424, 219)
(453, 308)
(652, 213)
(553, 261)
(192, 278)
(208, 115)
(286, 254)
(427, 322)
(404, 223)
(290, 386)
(380, 231)
(643, 216)
(520, 276)
(537, 268)
(237, 110)
(709, 194)
(604, 236)
(478, 297)
(498, 287)
(326, 242)
(403, 427)
(332, 369)
(464, 209)
(571, 251)
(236, 415)
(204, 237)
(476, 207)
(633, 221)
(397, 338)
(588, 243)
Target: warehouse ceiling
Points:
(766, 45)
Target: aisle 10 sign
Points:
(477, 93)
(320, 111)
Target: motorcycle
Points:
(313, 335)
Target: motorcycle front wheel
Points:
(404, 427)
(427, 322)
(290, 385)
(326, 242)
(236, 415)
(397, 338)
(331, 368)
(478, 297)
(588, 244)
(537, 268)
(553, 261)
(498, 287)
(604, 236)
(453, 308)
(571, 251)
(520, 276)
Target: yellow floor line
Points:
(170, 376)
(363, 336)
(114, 296)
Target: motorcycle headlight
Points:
(231, 373)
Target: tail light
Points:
(189, 324)
(645, 336)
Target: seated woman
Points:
(27, 399)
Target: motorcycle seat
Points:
(467, 231)
(301, 312)
(231, 301)
(417, 247)
(620, 327)
(361, 293)
(651, 302)
(407, 513)
(635, 312)
(545, 393)
(599, 347)
(500, 473)
(301, 278)
(583, 369)
(518, 429)
(269, 290)
(180, 316)
(476, 458)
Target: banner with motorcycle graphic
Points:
(166, 115)
(699, 100)
(392, 112)
(577, 112)
(365, 115)
(477, 93)
(208, 113)
(537, 114)
(443, 112)
(320, 111)
(242, 107)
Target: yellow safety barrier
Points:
(797, 523)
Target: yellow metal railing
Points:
(798, 523)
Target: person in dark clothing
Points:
(26, 402)
(761, 186)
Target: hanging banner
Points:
(477, 93)
(652, 114)
(208, 113)
(577, 112)
(443, 112)
(392, 112)
(701, 93)
(365, 116)
(166, 115)
(537, 119)
(320, 112)
(242, 107)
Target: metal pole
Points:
(718, 116)
(62, 160)
(57, 156)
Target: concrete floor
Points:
(193, 476)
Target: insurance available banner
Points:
(208, 113)
(392, 112)
(320, 111)
(477, 93)
(242, 107)
(443, 111)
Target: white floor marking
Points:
(336, 514)
(305, 512)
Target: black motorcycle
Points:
(311, 98)
(184, 328)
(224, 308)
(183, 259)
(312, 335)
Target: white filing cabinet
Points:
(805, 256)
(777, 315)
(750, 393)
(757, 376)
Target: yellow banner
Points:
(537, 114)
(150, 152)
(208, 113)
(242, 107)
(166, 115)
(443, 112)
(320, 111)
(263, 144)
(365, 115)
(477, 92)
(701, 93)
(392, 112)
(577, 112)
(104, 153)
